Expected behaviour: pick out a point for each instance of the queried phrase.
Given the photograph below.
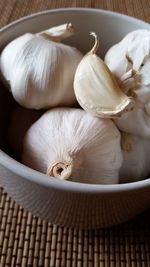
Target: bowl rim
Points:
(77, 10)
(51, 182)
(45, 180)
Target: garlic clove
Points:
(136, 51)
(70, 144)
(97, 90)
(136, 122)
(139, 47)
(111, 60)
(58, 33)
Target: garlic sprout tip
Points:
(96, 44)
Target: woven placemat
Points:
(29, 241)
(26, 241)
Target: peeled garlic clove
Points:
(135, 165)
(40, 71)
(70, 144)
(97, 90)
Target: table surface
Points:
(28, 241)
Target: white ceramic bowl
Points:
(62, 202)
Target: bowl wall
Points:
(67, 203)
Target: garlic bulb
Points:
(96, 89)
(136, 161)
(69, 143)
(129, 61)
(40, 71)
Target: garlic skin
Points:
(40, 71)
(69, 143)
(136, 161)
(97, 90)
(58, 33)
(129, 61)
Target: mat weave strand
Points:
(29, 241)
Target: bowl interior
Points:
(110, 27)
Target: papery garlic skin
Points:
(58, 33)
(97, 90)
(70, 144)
(136, 161)
(40, 71)
(132, 54)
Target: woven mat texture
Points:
(29, 241)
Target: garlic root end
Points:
(61, 170)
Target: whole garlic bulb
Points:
(96, 89)
(136, 161)
(129, 61)
(69, 143)
(39, 70)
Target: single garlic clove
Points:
(97, 90)
(70, 144)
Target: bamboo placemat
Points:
(29, 241)
(26, 241)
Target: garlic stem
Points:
(61, 170)
(58, 33)
(96, 44)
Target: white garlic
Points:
(40, 71)
(96, 89)
(136, 161)
(69, 143)
(129, 61)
